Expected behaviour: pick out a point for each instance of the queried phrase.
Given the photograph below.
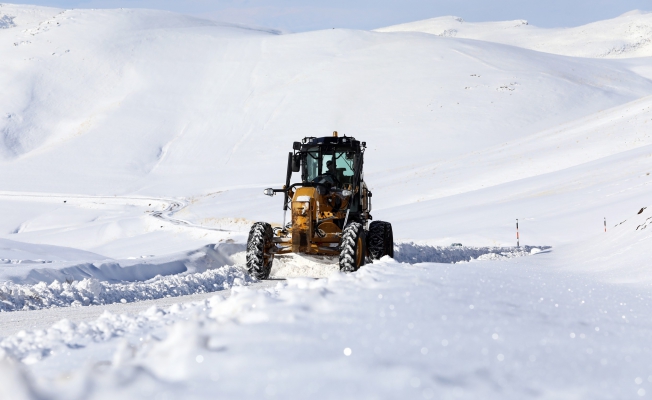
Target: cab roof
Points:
(328, 142)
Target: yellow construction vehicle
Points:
(330, 209)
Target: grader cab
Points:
(330, 209)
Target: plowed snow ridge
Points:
(94, 292)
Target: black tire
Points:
(352, 247)
(259, 244)
(380, 240)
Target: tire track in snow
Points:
(171, 206)
(174, 207)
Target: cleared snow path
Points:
(173, 208)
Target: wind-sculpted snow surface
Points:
(509, 330)
(93, 292)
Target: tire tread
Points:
(259, 241)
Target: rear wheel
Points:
(380, 240)
(352, 247)
(259, 255)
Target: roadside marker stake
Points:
(605, 224)
(518, 244)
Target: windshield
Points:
(332, 165)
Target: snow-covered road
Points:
(13, 322)
(521, 328)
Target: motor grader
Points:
(330, 209)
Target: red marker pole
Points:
(518, 244)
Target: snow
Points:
(418, 253)
(410, 330)
(91, 291)
(135, 145)
(210, 269)
(629, 35)
(62, 264)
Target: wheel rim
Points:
(358, 253)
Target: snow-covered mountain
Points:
(148, 103)
(629, 35)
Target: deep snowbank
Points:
(65, 284)
(91, 291)
(87, 284)
(64, 268)
(418, 253)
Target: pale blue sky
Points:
(296, 15)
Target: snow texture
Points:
(413, 253)
(71, 292)
(426, 331)
(94, 292)
(135, 145)
(629, 35)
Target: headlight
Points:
(346, 193)
(269, 192)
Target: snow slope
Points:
(629, 35)
(144, 106)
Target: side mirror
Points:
(296, 162)
(269, 192)
(296, 146)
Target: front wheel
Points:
(259, 255)
(353, 247)
(380, 240)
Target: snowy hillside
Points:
(135, 144)
(629, 35)
(151, 104)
